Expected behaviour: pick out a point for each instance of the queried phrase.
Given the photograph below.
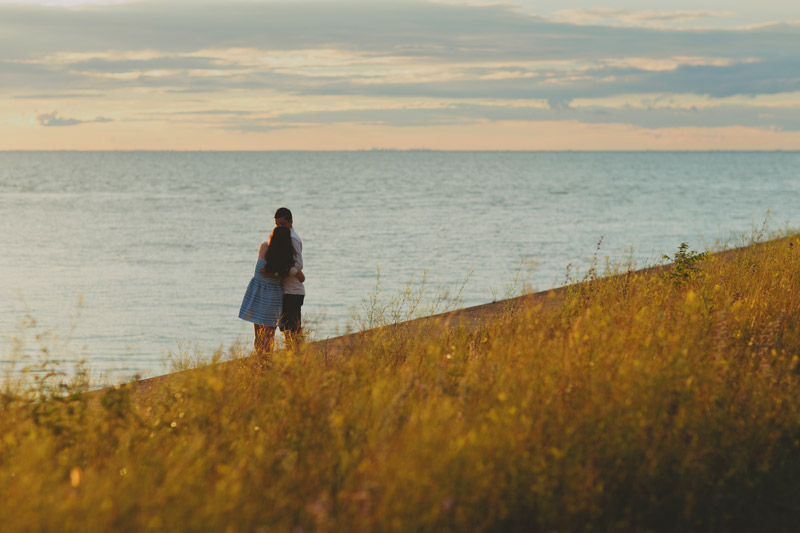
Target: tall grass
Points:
(632, 402)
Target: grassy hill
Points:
(664, 400)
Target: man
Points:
(293, 289)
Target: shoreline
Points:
(470, 317)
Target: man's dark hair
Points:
(283, 212)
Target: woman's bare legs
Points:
(265, 339)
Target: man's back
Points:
(292, 285)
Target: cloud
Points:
(393, 53)
(53, 120)
(407, 28)
(56, 96)
(341, 48)
(560, 86)
(213, 112)
(601, 15)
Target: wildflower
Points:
(75, 476)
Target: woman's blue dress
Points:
(263, 299)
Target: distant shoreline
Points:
(417, 150)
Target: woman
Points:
(261, 304)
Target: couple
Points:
(275, 294)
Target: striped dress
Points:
(263, 299)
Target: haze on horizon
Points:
(452, 75)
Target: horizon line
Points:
(777, 150)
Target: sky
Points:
(400, 74)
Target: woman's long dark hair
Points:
(280, 254)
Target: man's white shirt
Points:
(292, 285)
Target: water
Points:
(160, 245)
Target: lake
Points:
(125, 257)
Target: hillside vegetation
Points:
(658, 401)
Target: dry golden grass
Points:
(638, 402)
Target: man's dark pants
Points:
(290, 316)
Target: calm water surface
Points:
(159, 246)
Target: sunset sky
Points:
(454, 75)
